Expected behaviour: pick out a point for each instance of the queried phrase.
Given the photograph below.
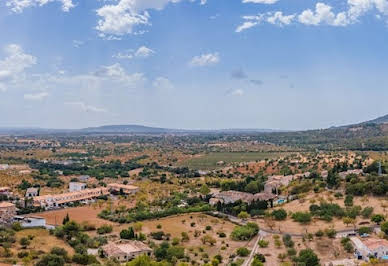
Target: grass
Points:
(209, 161)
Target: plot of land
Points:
(209, 161)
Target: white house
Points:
(30, 221)
(76, 186)
(371, 247)
(32, 192)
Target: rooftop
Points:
(125, 247)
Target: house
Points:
(83, 178)
(343, 175)
(231, 196)
(126, 189)
(276, 181)
(32, 192)
(76, 186)
(7, 212)
(4, 166)
(30, 221)
(5, 191)
(125, 251)
(371, 247)
(64, 199)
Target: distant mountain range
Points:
(140, 129)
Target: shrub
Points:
(244, 232)
(243, 252)
(367, 212)
(105, 229)
(288, 241)
(348, 201)
(330, 232)
(302, 217)
(263, 243)
(364, 230)
(279, 215)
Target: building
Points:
(4, 166)
(5, 191)
(126, 189)
(30, 221)
(231, 196)
(343, 175)
(7, 212)
(76, 186)
(344, 262)
(61, 200)
(277, 181)
(125, 250)
(371, 247)
(83, 178)
(32, 192)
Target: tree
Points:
(367, 212)
(347, 220)
(384, 227)
(378, 218)
(51, 260)
(348, 201)
(242, 252)
(308, 257)
(243, 215)
(204, 190)
(66, 219)
(24, 242)
(208, 239)
(279, 215)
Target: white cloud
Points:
(163, 83)
(260, 1)
(144, 52)
(18, 6)
(238, 92)
(121, 18)
(323, 14)
(250, 21)
(141, 52)
(35, 96)
(12, 67)
(279, 19)
(86, 107)
(205, 60)
(77, 43)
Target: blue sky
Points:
(193, 64)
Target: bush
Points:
(51, 260)
(348, 201)
(279, 215)
(307, 257)
(105, 229)
(367, 212)
(263, 243)
(364, 230)
(288, 241)
(243, 252)
(302, 217)
(331, 232)
(244, 232)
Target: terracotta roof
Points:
(6, 204)
(125, 248)
(374, 243)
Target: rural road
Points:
(249, 260)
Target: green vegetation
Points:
(244, 232)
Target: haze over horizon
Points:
(193, 64)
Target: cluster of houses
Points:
(78, 192)
(231, 196)
(370, 247)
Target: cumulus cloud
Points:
(322, 14)
(35, 96)
(77, 43)
(205, 60)
(124, 16)
(163, 83)
(13, 66)
(144, 52)
(279, 19)
(18, 6)
(141, 52)
(86, 107)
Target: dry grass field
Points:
(175, 225)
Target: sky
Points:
(193, 64)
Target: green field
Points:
(209, 161)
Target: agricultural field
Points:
(213, 161)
